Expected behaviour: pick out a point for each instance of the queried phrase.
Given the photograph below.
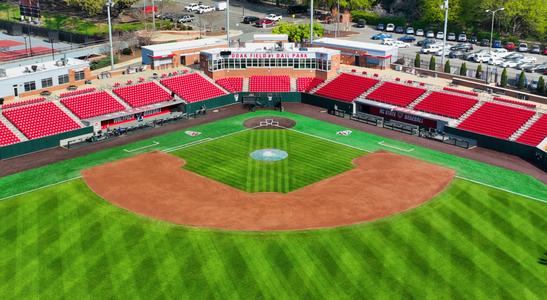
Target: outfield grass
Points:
(227, 160)
(472, 242)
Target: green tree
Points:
(541, 85)
(522, 81)
(433, 13)
(478, 75)
(447, 67)
(463, 69)
(417, 61)
(503, 80)
(298, 32)
(432, 63)
(94, 7)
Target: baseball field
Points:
(480, 237)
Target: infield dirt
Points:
(156, 185)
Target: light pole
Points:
(337, 18)
(445, 7)
(153, 15)
(311, 22)
(491, 37)
(108, 7)
(228, 22)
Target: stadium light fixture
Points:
(311, 22)
(493, 12)
(445, 7)
(108, 7)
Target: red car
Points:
(545, 50)
(510, 46)
(264, 23)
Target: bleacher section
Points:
(496, 120)
(273, 84)
(469, 93)
(24, 102)
(447, 105)
(306, 84)
(231, 84)
(40, 120)
(346, 87)
(396, 94)
(91, 105)
(6, 136)
(536, 133)
(192, 87)
(77, 92)
(142, 94)
(525, 104)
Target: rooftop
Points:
(353, 44)
(170, 47)
(272, 48)
(42, 67)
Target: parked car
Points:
(205, 9)
(381, 36)
(220, 6)
(380, 27)
(464, 46)
(431, 48)
(442, 51)
(535, 49)
(462, 37)
(409, 30)
(473, 39)
(510, 63)
(451, 36)
(400, 44)
(440, 35)
(545, 50)
(484, 43)
(264, 23)
(529, 59)
(523, 47)
(481, 57)
(496, 44)
(387, 41)
(407, 38)
(192, 7)
(419, 32)
(399, 29)
(500, 52)
(361, 23)
(390, 27)
(510, 46)
(324, 17)
(524, 65)
(430, 34)
(533, 85)
(457, 54)
(186, 18)
(426, 42)
(495, 61)
(274, 17)
(537, 68)
(168, 16)
(250, 19)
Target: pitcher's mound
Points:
(155, 185)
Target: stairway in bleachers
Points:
(212, 81)
(13, 129)
(468, 113)
(524, 127)
(419, 99)
(372, 89)
(127, 107)
(293, 84)
(68, 113)
(245, 84)
(322, 84)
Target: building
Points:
(33, 79)
(360, 53)
(270, 59)
(170, 55)
(270, 38)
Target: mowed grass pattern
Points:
(65, 242)
(228, 160)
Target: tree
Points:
(447, 67)
(478, 75)
(503, 80)
(417, 61)
(463, 69)
(522, 81)
(298, 32)
(432, 63)
(541, 85)
(94, 7)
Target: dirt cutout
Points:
(269, 123)
(155, 185)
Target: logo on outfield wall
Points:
(192, 133)
(344, 132)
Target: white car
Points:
(431, 48)
(192, 7)
(440, 35)
(495, 61)
(462, 37)
(390, 27)
(273, 17)
(401, 44)
(528, 59)
(499, 52)
(388, 41)
(510, 63)
(420, 32)
(482, 57)
(205, 8)
(445, 51)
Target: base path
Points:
(156, 185)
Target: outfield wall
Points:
(40, 144)
(326, 103)
(529, 153)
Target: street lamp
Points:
(108, 7)
(311, 22)
(228, 22)
(445, 7)
(337, 18)
(493, 12)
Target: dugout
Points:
(400, 114)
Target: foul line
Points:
(40, 188)
(154, 143)
(193, 143)
(395, 147)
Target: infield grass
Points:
(228, 160)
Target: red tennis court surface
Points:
(9, 43)
(15, 54)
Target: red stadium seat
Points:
(306, 84)
(395, 94)
(39, 120)
(470, 93)
(269, 84)
(231, 84)
(77, 92)
(142, 94)
(92, 105)
(23, 103)
(192, 87)
(447, 105)
(496, 120)
(536, 133)
(6, 136)
(346, 87)
(525, 104)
